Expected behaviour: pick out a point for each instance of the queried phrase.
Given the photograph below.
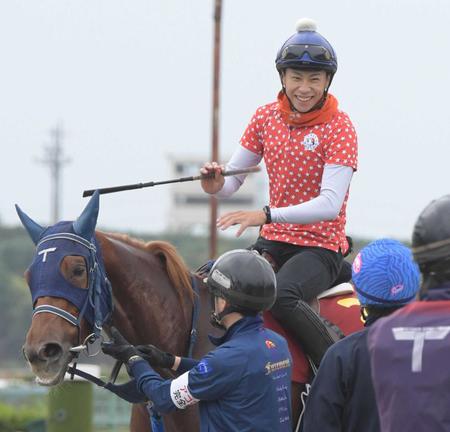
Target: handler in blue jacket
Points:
(242, 385)
(342, 396)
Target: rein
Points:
(127, 391)
(195, 315)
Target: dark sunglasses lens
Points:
(293, 52)
(316, 52)
(319, 53)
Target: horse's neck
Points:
(204, 328)
(147, 307)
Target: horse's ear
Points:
(34, 229)
(84, 226)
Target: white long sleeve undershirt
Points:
(241, 158)
(326, 206)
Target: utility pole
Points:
(54, 159)
(215, 123)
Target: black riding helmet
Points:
(245, 280)
(431, 237)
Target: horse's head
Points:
(70, 293)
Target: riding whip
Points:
(248, 170)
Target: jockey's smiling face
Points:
(304, 88)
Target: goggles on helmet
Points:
(315, 52)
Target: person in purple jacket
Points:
(342, 398)
(410, 350)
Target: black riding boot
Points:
(311, 331)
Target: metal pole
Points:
(71, 407)
(55, 160)
(56, 171)
(215, 123)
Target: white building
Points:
(189, 205)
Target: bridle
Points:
(99, 289)
(98, 286)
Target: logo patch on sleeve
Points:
(180, 393)
(270, 344)
(203, 367)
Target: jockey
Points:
(242, 385)
(413, 392)
(309, 147)
(342, 396)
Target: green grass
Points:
(14, 418)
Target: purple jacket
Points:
(410, 358)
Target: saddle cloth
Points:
(338, 305)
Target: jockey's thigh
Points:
(279, 251)
(307, 274)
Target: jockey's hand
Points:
(155, 356)
(243, 218)
(214, 183)
(118, 347)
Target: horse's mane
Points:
(176, 268)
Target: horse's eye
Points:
(79, 271)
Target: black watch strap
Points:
(266, 210)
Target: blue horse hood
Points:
(46, 278)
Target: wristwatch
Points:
(266, 210)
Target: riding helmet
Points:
(307, 49)
(431, 237)
(244, 279)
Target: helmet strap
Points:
(216, 318)
(432, 279)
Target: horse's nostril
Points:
(50, 351)
(30, 355)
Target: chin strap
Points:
(216, 318)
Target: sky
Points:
(130, 83)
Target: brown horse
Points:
(153, 302)
(152, 295)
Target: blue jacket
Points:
(342, 396)
(242, 385)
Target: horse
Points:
(82, 280)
